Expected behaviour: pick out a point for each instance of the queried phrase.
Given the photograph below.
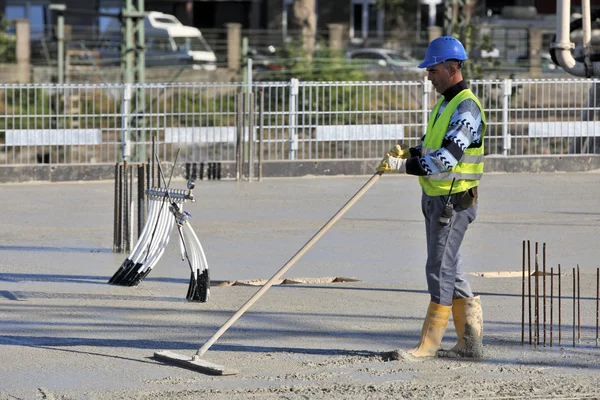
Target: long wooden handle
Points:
(288, 265)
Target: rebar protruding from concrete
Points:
(597, 302)
(544, 289)
(574, 310)
(154, 182)
(529, 285)
(537, 299)
(559, 307)
(551, 302)
(523, 299)
(578, 305)
(116, 220)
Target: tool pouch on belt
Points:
(468, 198)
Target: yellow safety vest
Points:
(469, 169)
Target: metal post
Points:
(293, 115)
(506, 138)
(559, 307)
(126, 210)
(244, 59)
(130, 208)
(260, 133)
(551, 303)
(523, 299)
(127, 44)
(116, 219)
(141, 189)
(544, 288)
(574, 309)
(60, 38)
(529, 285)
(250, 136)
(425, 102)
(578, 305)
(597, 302)
(537, 298)
(120, 212)
(140, 77)
(240, 132)
(125, 132)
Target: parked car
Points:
(267, 58)
(383, 59)
(168, 42)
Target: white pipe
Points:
(563, 45)
(587, 31)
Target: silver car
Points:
(383, 59)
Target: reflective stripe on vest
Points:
(469, 169)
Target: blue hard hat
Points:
(443, 49)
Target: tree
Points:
(306, 19)
(457, 23)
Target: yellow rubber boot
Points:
(468, 322)
(433, 330)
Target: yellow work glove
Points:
(394, 160)
(399, 152)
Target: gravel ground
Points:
(66, 334)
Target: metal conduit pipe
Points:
(562, 47)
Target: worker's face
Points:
(440, 75)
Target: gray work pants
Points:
(445, 277)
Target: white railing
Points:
(88, 124)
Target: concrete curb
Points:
(281, 169)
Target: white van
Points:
(168, 42)
(182, 38)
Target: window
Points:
(36, 12)
(105, 21)
(366, 19)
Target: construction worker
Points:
(449, 164)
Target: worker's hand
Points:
(398, 151)
(394, 160)
(392, 164)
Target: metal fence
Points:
(90, 124)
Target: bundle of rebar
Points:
(537, 338)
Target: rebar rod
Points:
(116, 211)
(537, 298)
(574, 310)
(551, 303)
(153, 181)
(523, 299)
(544, 289)
(260, 135)
(529, 285)
(559, 307)
(597, 301)
(141, 198)
(578, 305)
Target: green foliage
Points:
(8, 43)
(475, 43)
(324, 65)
